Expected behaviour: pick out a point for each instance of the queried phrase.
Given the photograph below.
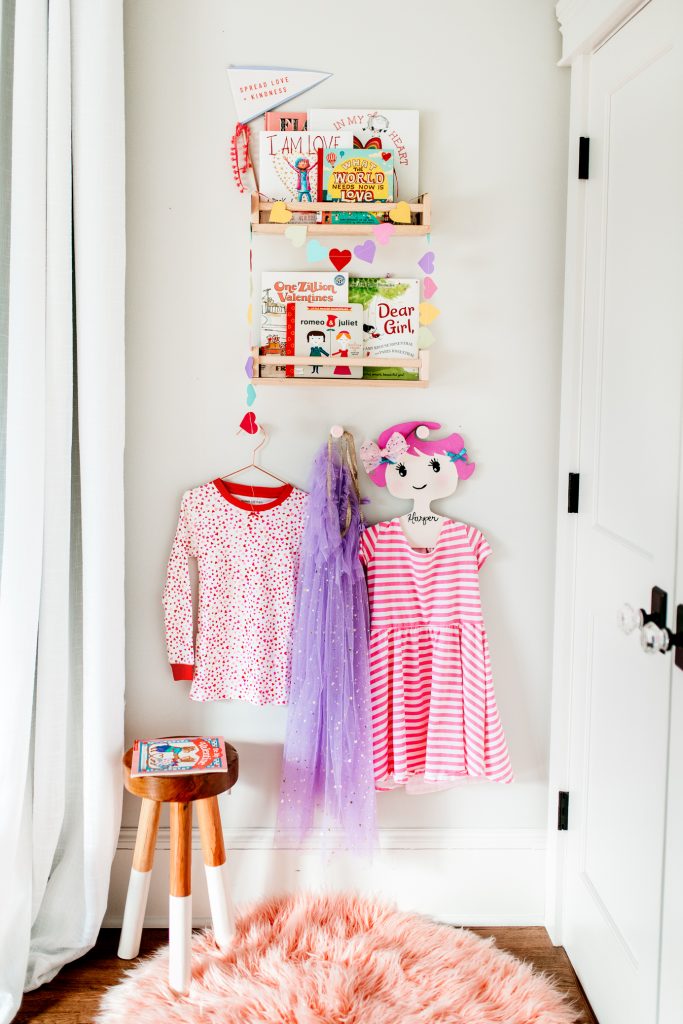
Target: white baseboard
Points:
(480, 877)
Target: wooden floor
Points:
(73, 997)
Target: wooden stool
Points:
(181, 791)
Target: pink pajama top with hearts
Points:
(247, 561)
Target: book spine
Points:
(290, 337)
(321, 153)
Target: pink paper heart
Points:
(366, 251)
(249, 367)
(428, 287)
(383, 232)
(249, 424)
(426, 263)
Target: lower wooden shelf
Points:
(363, 382)
(421, 363)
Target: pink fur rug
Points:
(339, 959)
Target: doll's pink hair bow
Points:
(373, 456)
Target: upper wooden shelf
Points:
(261, 224)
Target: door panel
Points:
(639, 118)
(632, 369)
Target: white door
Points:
(631, 393)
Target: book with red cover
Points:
(179, 755)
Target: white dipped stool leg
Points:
(140, 875)
(180, 899)
(213, 849)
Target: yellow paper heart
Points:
(428, 312)
(249, 313)
(425, 338)
(401, 213)
(296, 233)
(280, 214)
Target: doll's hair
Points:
(300, 160)
(416, 446)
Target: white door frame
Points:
(585, 26)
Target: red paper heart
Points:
(340, 257)
(386, 156)
(249, 423)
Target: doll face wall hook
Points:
(416, 468)
(422, 478)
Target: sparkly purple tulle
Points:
(327, 760)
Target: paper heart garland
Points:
(249, 424)
(280, 214)
(401, 213)
(296, 233)
(366, 251)
(429, 287)
(339, 258)
(383, 232)
(315, 251)
(425, 338)
(249, 367)
(428, 312)
(426, 263)
(251, 394)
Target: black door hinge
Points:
(562, 811)
(584, 156)
(573, 493)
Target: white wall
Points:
(493, 156)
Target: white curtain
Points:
(62, 225)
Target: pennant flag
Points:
(258, 88)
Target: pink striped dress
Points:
(434, 711)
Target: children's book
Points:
(315, 330)
(398, 130)
(288, 162)
(179, 755)
(391, 315)
(286, 121)
(280, 287)
(355, 175)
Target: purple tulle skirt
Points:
(327, 762)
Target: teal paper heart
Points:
(315, 252)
